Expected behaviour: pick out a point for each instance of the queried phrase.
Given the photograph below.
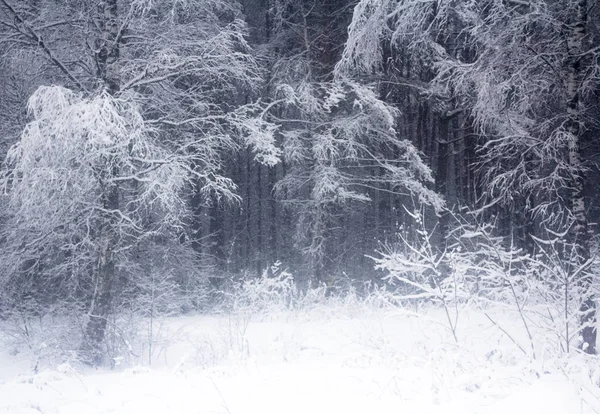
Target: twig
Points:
(505, 333)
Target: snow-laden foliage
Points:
(522, 75)
(337, 140)
(509, 66)
(107, 167)
(350, 127)
(276, 292)
(273, 291)
(75, 145)
(194, 71)
(184, 63)
(56, 179)
(364, 47)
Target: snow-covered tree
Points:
(523, 71)
(342, 132)
(66, 227)
(338, 139)
(152, 105)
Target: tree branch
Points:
(40, 43)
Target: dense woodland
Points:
(176, 145)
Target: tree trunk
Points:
(102, 295)
(101, 301)
(580, 235)
(108, 53)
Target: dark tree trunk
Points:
(580, 235)
(100, 308)
(101, 302)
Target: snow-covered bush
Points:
(45, 339)
(422, 272)
(480, 269)
(273, 291)
(276, 293)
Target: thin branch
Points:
(40, 43)
(505, 333)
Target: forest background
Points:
(157, 152)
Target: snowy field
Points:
(328, 359)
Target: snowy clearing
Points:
(317, 361)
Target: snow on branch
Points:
(75, 146)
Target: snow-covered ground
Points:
(326, 360)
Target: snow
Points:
(325, 360)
